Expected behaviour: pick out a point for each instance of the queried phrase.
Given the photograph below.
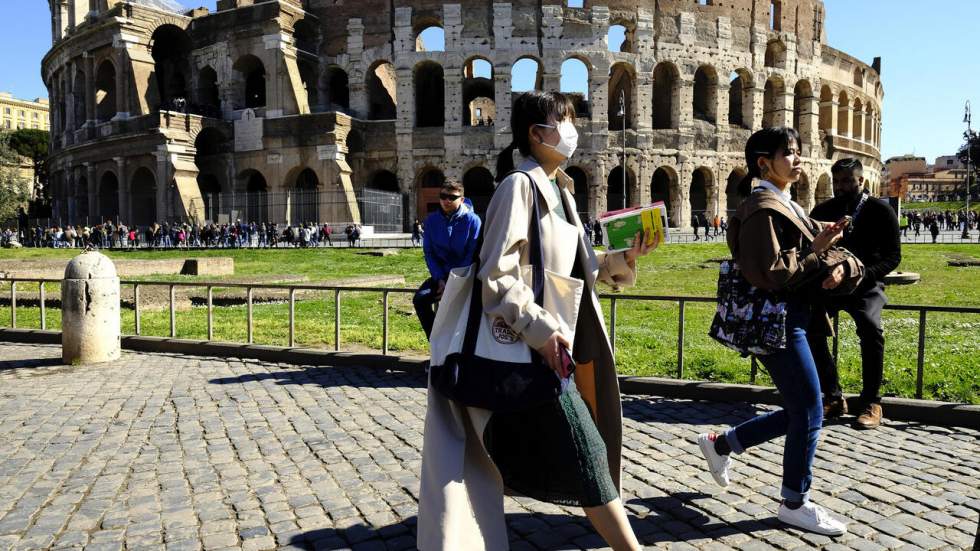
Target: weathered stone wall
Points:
(686, 122)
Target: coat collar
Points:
(543, 183)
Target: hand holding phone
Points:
(567, 364)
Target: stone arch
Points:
(429, 86)
(620, 36)
(478, 185)
(802, 106)
(772, 102)
(666, 91)
(384, 180)
(170, 47)
(825, 189)
(580, 190)
(665, 186)
(622, 79)
(478, 92)
(702, 181)
(251, 75)
(208, 96)
(105, 91)
(574, 83)
(843, 118)
(428, 181)
(733, 195)
(521, 66)
(78, 93)
(826, 109)
(382, 87)
(306, 36)
(143, 196)
(803, 192)
(209, 187)
(858, 77)
(304, 197)
(740, 100)
(109, 196)
(857, 125)
(430, 36)
(254, 196)
(337, 89)
(616, 197)
(776, 54)
(706, 94)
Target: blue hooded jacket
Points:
(449, 241)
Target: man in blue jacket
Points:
(449, 242)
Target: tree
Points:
(14, 188)
(972, 141)
(33, 144)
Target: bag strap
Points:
(537, 271)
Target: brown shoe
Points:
(870, 417)
(835, 408)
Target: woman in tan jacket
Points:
(567, 451)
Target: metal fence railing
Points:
(386, 292)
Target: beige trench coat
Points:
(461, 494)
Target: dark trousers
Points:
(425, 301)
(865, 308)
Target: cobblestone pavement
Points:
(177, 452)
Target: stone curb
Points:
(896, 409)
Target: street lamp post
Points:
(622, 115)
(967, 118)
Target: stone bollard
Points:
(90, 310)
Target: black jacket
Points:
(873, 237)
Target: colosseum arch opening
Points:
(428, 183)
(143, 197)
(478, 186)
(337, 88)
(253, 201)
(210, 189)
(575, 84)
(740, 99)
(432, 38)
(381, 91)
(775, 54)
(619, 38)
(622, 90)
(803, 110)
(666, 91)
(706, 94)
(109, 197)
(250, 73)
(662, 187)
(702, 183)
(79, 97)
(525, 75)
(616, 196)
(105, 91)
(827, 110)
(478, 92)
(430, 105)
(81, 201)
(773, 97)
(304, 198)
(580, 191)
(171, 47)
(825, 189)
(306, 37)
(384, 180)
(210, 157)
(733, 195)
(857, 126)
(208, 96)
(843, 114)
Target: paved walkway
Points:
(176, 452)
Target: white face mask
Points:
(568, 138)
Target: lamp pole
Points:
(967, 118)
(622, 115)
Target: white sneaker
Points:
(813, 518)
(717, 464)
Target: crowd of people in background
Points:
(183, 235)
(937, 221)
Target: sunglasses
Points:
(448, 197)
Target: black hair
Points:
(765, 143)
(530, 108)
(848, 164)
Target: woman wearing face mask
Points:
(768, 242)
(567, 451)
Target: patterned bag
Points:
(748, 320)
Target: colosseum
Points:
(337, 110)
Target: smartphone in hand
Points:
(567, 363)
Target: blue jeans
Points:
(795, 375)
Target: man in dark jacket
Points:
(873, 237)
(449, 242)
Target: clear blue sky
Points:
(930, 59)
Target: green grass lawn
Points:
(646, 331)
(938, 206)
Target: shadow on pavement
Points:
(370, 377)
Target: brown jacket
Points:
(772, 246)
